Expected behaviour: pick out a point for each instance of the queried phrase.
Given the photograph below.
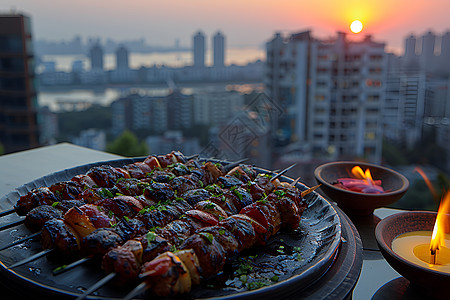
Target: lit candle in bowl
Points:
(417, 245)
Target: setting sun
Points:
(356, 26)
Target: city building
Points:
(331, 93)
(139, 112)
(96, 57)
(219, 49)
(18, 98)
(91, 138)
(122, 59)
(172, 140)
(429, 53)
(216, 108)
(199, 49)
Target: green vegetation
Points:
(127, 144)
(2, 150)
(71, 123)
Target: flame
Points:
(428, 182)
(438, 236)
(360, 174)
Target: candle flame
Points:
(438, 236)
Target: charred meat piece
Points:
(212, 208)
(84, 180)
(167, 160)
(184, 183)
(129, 228)
(34, 198)
(199, 219)
(175, 232)
(121, 205)
(131, 187)
(228, 181)
(167, 275)
(207, 173)
(37, 217)
(255, 190)
(242, 230)
(225, 238)
(106, 175)
(65, 205)
(195, 196)
(209, 251)
(295, 195)
(157, 191)
(67, 190)
(265, 182)
(158, 216)
(91, 195)
(163, 176)
(138, 170)
(290, 215)
(265, 213)
(225, 203)
(239, 196)
(262, 234)
(97, 216)
(243, 173)
(153, 245)
(179, 169)
(121, 260)
(100, 241)
(152, 162)
(57, 234)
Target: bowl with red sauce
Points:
(358, 196)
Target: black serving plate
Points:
(319, 238)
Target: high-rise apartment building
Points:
(18, 100)
(219, 49)
(122, 59)
(331, 93)
(96, 56)
(199, 49)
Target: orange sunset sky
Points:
(246, 23)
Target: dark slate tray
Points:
(322, 228)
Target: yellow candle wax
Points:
(415, 248)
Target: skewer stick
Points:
(31, 258)
(294, 183)
(7, 212)
(68, 267)
(12, 224)
(20, 241)
(191, 157)
(141, 288)
(282, 172)
(96, 286)
(310, 190)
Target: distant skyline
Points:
(247, 23)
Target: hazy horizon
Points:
(245, 23)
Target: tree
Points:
(128, 145)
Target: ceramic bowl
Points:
(356, 203)
(391, 227)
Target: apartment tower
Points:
(18, 100)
